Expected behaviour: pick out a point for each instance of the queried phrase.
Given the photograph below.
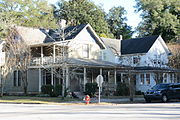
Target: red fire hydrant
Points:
(87, 99)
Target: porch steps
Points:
(79, 95)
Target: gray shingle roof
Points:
(88, 62)
(137, 45)
(113, 44)
(69, 33)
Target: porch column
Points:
(100, 71)
(52, 77)
(41, 54)
(54, 53)
(67, 77)
(85, 78)
(115, 80)
(108, 76)
(40, 80)
(121, 77)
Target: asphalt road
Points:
(153, 111)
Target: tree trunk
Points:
(25, 82)
(2, 89)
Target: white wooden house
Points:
(82, 60)
(149, 57)
(81, 55)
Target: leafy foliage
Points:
(51, 90)
(117, 23)
(122, 90)
(82, 12)
(31, 13)
(159, 17)
(90, 89)
(47, 89)
(174, 60)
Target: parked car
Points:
(163, 92)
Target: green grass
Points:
(35, 100)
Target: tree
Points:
(31, 13)
(9, 63)
(117, 24)
(82, 12)
(159, 17)
(34, 13)
(175, 58)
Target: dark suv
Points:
(163, 92)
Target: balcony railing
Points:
(46, 60)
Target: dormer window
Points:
(136, 60)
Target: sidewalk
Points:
(106, 100)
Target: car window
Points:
(160, 86)
(176, 86)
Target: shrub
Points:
(47, 89)
(122, 90)
(51, 90)
(90, 89)
(139, 93)
(57, 90)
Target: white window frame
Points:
(142, 79)
(148, 79)
(136, 60)
(18, 81)
(85, 51)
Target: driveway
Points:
(153, 111)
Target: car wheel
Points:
(148, 100)
(164, 98)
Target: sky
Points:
(133, 18)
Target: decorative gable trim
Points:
(93, 35)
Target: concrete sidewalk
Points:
(109, 100)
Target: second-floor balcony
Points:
(35, 61)
(46, 55)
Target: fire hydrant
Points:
(87, 99)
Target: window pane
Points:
(15, 78)
(142, 79)
(148, 79)
(19, 78)
(85, 52)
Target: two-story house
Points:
(72, 56)
(76, 55)
(149, 57)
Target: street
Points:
(155, 111)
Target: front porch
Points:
(77, 73)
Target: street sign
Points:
(99, 80)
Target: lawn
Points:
(34, 100)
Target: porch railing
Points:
(46, 60)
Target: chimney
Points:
(120, 37)
(62, 23)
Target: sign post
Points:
(99, 81)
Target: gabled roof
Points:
(70, 32)
(34, 36)
(31, 36)
(137, 45)
(113, 44)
